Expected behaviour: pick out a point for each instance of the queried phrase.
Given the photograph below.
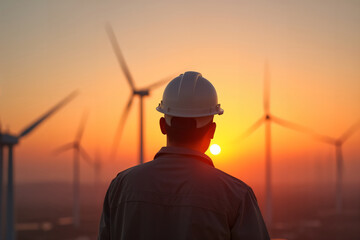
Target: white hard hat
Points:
(190, 95)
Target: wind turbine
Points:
(267, 118)
(338, 142)
(79, 151)
(141, 92)
(8, 140)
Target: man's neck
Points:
(196, 147)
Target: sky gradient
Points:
(50, 48)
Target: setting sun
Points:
(215, 149)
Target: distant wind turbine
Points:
(142, 92)
(267, 118)
(98, 164)
(79, 151)
(338, 142)
(8, 140)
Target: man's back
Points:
(180, 195)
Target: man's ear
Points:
(212, 130)
(163, 126)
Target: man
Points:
(180, 194)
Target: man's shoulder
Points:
(131, 170)
(234, 182)
(212, 170)
(202, 175)
(128, 171)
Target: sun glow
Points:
(215, 149)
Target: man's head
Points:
(189, 104)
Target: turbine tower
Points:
(141, 92)
(267, 118)
(98, 165)
(1, 183)
(79, 151)
(9, 141)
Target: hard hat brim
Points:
(191, 113)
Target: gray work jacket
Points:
(180, 195)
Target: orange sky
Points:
(49, 48)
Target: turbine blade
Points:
(85, 155)
(266, 97)
(302, 129)
(48, 114)
(350, 131)
(252, 129)
(121, 125)
(63, 148)
(119, 55)
(81, 128)
(158, 83)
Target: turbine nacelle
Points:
(7, 139)
(76, 145)
(338, 143)
(141, 92)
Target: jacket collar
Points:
(185, 152)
